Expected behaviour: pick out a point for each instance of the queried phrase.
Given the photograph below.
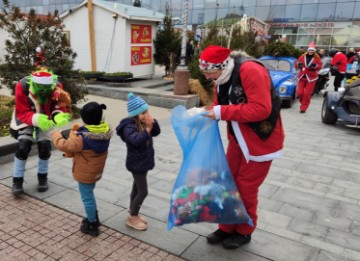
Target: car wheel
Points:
(286, 103)
(327, 115)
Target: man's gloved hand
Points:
(300, 64)
(61, 119)
(44, 123)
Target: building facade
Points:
(327, 22)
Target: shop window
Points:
(277, 12)
(304, 40)
(339, 39)
(262, 12)
(306, 30)
(323, 31)
(291, 39)
(323, 39)
(292, 30)
(357, 10)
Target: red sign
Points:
(140, 34)
(140, 55)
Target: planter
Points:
(122, 78)
(89, 76)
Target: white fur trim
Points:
(43, 79)
(204, 65)
(245, 150)
(35, 119)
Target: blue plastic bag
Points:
(204, 190)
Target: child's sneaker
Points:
(89, 228)
(135, 222)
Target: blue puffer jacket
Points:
(140, 150)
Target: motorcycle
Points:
(322, 81)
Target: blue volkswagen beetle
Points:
(284, 76)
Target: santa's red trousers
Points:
(304, 92)
(248, 178)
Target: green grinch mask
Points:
(42, 84)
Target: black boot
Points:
(17, 187)
(89, 228)
(43, 184)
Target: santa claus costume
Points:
(240, 103)
(309, 64)
(36, 111)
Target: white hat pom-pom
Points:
(38, 49)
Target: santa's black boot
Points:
(17, 187)
(43, 184)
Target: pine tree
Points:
(27, 31)
(167, 41)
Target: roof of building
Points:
(126, 11)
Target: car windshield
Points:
(277, 65)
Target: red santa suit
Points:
(309, 65)
(248, 155)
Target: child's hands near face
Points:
(149, 121)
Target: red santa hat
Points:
(42, 78)
(358, 51)
(312, 47)
(214, 57)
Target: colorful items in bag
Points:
(204, 190)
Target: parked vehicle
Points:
(322, 81)
(343, 105)
(284, 76)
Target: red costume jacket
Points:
(27, 109)
(256, 84)
(311, 73)
(339, 60)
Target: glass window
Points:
(304, 40)
(292, 30)
(275, 31)
(263, 2)
(340, 40)
(308, 12)
(262, 12)
(210, 3)
(209, 15)
(323, 39)
(306, 30)
(323, 31)
(197, 16)
(344, 11)
(250, 10)
(278, 2)
(277, 12)
(198, 4)
(357, 10)
(291, 39)
(292, 13)
(326, 12)
(247, 3)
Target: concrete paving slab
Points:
(175, 241)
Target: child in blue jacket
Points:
(137, 131)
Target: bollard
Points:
(181, 82)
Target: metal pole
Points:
(184, 35)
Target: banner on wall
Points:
(140, 55)
(140, 34)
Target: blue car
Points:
(284, 76)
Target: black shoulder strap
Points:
(264, 128)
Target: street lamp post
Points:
(182, 74)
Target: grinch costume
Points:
(35, 113)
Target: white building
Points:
(123, 37)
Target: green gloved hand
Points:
(44, 123)
(61, 119)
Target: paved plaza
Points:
(309, 204)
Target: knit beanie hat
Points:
(312, 47)
(214, 57)
(136, 105)
(92, 112)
